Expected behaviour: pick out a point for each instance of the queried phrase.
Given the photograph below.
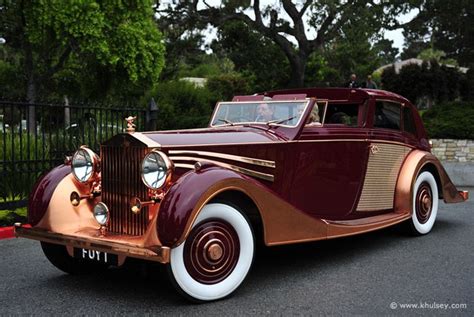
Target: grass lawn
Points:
(9, 217)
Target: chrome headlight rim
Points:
(95, 164)
(169, 170)
(103, 208)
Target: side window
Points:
(345, 114)
(408, 121)
(387, 115)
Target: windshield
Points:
(284, 113)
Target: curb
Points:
(8, 232)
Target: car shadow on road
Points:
(140, 283)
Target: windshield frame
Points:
(306, 102)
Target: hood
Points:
(214, 136)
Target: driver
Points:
(264, 113)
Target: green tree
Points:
(60, 44)
(287, 20)
(256, 57)
(445, 26)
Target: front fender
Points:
(282, 222)
(187, 196)
(42, 192)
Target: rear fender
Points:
(416, 162)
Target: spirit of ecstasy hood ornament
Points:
(130, 125)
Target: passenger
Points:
(264, 113)
(340, 118)
(314, 119)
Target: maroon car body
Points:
(364, 166)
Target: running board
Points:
(336, 229)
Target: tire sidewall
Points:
(205, 292)
(424, 228)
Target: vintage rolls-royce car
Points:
(282, 167)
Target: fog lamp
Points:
(101, 213)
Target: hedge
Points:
(451, 120)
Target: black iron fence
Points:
(36, 137)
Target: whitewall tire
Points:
(425, 204)
(216, 256)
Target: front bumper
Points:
(158, 253)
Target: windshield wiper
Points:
(226, 121)
(280, 121)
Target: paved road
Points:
(355, 275)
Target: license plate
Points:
(96, 256)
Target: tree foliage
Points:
(428, 83)
(256, 57)
(59, 44)
(287, 23)
(446, 26)
(181, 104)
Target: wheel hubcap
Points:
(211, 251)
(424, 203)
(214, 252)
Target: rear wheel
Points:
(216, 256)
(60, 258)
(425, 204)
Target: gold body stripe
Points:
(265, 176)
(182, 165)
(230, 157)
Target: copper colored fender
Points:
(412, 166)
(282, 223)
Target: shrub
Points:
(19, 168)
(181, 105)
(224, 87)
(452, 120)
(428, 81)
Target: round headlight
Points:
(84, 164)
(101, 214)
(156, 169)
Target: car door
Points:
(388, 150)
(330, 162)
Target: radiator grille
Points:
(121, 180)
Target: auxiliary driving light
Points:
(101, 213)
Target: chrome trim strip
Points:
(264, 176)
(296, 141)
(182, 165)
(243, 159)
(144, 139)
(306, 101)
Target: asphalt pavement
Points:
(378, 273)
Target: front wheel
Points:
(216, 256)
(425, 204)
